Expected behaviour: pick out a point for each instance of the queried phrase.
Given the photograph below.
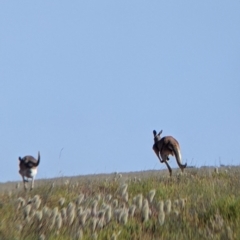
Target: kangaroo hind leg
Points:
(165, 158)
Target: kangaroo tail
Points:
(38, 161)
(178, 157)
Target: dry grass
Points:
(202, 204)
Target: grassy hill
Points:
(203, 203)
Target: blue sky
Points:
(94, 78)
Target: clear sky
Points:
(86, 82)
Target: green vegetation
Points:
(201, 204)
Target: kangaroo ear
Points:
(160, 132)
(154, 133)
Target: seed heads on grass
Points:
(52, 218)
(58, 221)
(104, 206)
(138, 201)
(160, 206)
(168, 206)
(161, 218)
(66, 183)
(115, 235)
(42, 237)
(151, 195)
(115, 203)
(32, 213)
(79, 234)
(36, 202)
(182, 202)
(94, 204)
(108, 214)
(46, 212)
(123, 189)
(55, 211)
(38, 216)
(52, 186)
(145, 211)
(123, 217)
(70, 213)
(61, 201)
(98, 197)
(108, 198)
(28, 219)
(26, 210)
(79, 199)
(82, 217)
(64, 215)
(94, 222)
(125, 197)
(101, 221)
(94, 208)
(94, 236)
(229, 233)
(161, 214)
(36, 197)
(20, 203)
(79, 211)
(132, 210)
(116, 214)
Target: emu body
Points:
(28, 168)
(163, 147)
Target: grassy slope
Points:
(204, 205)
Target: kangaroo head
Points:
(157, 137)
